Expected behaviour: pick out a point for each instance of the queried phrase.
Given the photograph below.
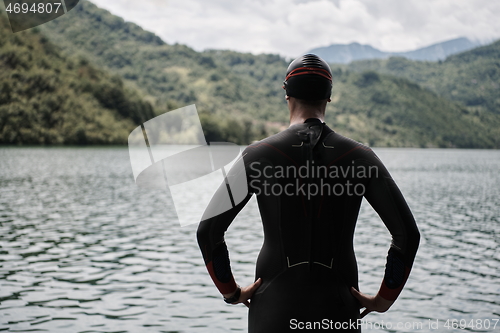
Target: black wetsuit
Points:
(307, 262)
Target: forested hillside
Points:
(384, 110)
(394, 112)
(240, 96)
(471, 78)
(47, 98)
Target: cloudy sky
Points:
(291, 27)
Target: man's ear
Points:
(287, 97)
(329, 100)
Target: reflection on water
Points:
(82, 249)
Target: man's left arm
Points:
(385, 197)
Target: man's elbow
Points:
(414, 238)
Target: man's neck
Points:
(303, 118)
(300, 112)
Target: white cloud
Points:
(292, 27)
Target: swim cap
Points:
(308, 77)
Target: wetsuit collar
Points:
(313, 120)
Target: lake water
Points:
(83, 249)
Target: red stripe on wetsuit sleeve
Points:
(391, 294)
(224, 288)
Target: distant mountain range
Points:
(346, 53)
